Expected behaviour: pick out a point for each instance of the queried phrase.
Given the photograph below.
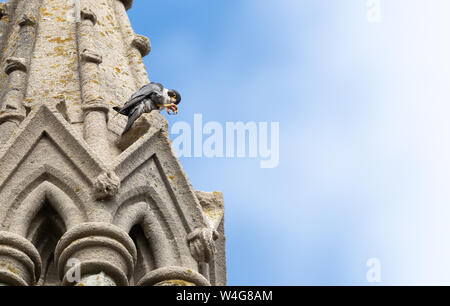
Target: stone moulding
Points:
(21, 217)
(87, 14)
(99, 247)
(11, 116)
(91, 57)
(20, 263)
(44, 123)
(143, 44)
(144, 207)
(15, 63)
(168, 209)
(174, 276)
(127, 3)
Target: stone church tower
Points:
(79, 204)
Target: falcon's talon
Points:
(173, 108)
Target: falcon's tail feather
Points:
(131, 119)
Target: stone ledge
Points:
(127, 3)
(89, 56)
(142, 43)
(95, 106)
(87, 14)
(11, 115)
(15, 63)
(174, 274)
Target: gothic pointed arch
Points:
(20, 216)
(143, 206)
(145, 261)
(45, 231)
(152, 159)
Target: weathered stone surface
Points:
(98, 280)
(76, 198)
(173, 276)
(213, 206)
(106, 185)
(201, 244)
(15, 63)
(143, 44)
(3, 9)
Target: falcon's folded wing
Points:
(147, 91)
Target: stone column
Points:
(95, 251)
(94, 107)
(7, 12)
(12, 109)
(4, 20)
(20, 263)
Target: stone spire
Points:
(80, 205)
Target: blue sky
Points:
(364, 123)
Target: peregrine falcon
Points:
(150, 97)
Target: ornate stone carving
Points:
(87, 14)
(15, 63)
(27, 20)
(106, 185)
(142, 43)
(201, 244)
(91, 57)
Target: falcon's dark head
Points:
(174, 96)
